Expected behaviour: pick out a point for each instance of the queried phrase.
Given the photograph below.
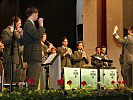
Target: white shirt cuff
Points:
(114, 33)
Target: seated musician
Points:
(66, 54)
(80, 57)
(105, 56)
(96, 58)
(53, 50)
(46, 47)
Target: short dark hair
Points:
(97, 47)
(31, 10)
(44, 33)
(103, 47)
(53, 48)
(14, 19)
(131, 29)
(63, 38)
(81, 43)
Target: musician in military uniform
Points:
(66, 54)
(80, 57)
(94, 60)
(12, 47)
(46, 47)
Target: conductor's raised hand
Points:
(115, 29)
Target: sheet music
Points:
(50, 58)
(98, 58)
(55, 73)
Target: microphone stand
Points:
(103, 74)
(12, 49)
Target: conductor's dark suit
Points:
(127, 57)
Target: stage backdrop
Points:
(59, 17)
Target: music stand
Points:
(50, 60)
(97, 58)
(102, 60)
(108, 61)
(1, 75)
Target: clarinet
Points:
(47, 42)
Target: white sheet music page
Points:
(50, 58)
